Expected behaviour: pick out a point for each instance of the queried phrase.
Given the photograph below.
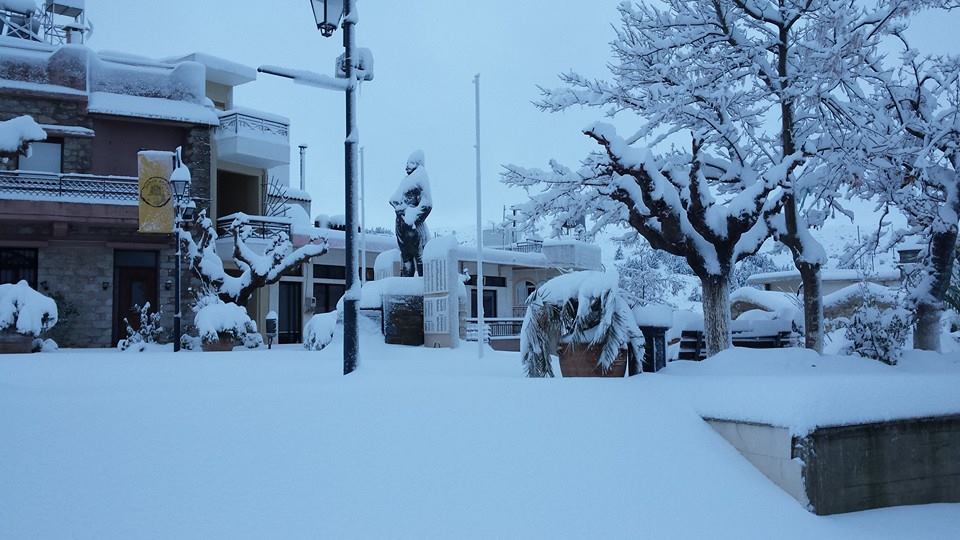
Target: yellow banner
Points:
(156, 195)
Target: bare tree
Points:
(255, 270)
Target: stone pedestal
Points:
(403, 319)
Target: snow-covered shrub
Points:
(877, 329)
(579, 308)
(149, 332)
(45, 345)
(24, 310)
(226, 320)
(318, 332)
(190, 343)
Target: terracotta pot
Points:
(224, 343)
(14, 343)
(581, 361)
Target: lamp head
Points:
(327, 14)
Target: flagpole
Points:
(480, 326)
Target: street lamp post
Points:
(180, 183)
(328, 14)
(352, 67)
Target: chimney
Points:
(303, 167)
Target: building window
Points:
(489, 303)
(488, 281)
(326, 296)
(44, 156)
(18, 264)
(329, 271)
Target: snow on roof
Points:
(19, 6)
(784, 305)
(827, 274)
(337, 239)
(116, 83)
(856, 290)
(296, 194)
(220, 70)
(27, 86)
(150, 107)
(16, 132)
(72, 131)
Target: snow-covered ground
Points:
(423, 443)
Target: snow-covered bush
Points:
(318, 332)
(231, 321)
(45, 345)
(577, 308)
(149, 332)
(877, 329)
(25, 311)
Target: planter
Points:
(581, 361)
(14, 343)
(224, 342)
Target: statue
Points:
(412, 203)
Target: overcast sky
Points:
(426, 53)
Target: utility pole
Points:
(351, 338)
(480, 326)
(363, 220)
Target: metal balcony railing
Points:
(240, 123)
(262, 227)
(500, 328)
(85, 188)
(526, 246)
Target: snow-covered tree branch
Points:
(255, 270)
(915, 167)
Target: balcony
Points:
(261, 227)
(253, 138)
(78, 188)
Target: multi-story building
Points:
(68, 211)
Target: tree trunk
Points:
(812, 306)
(716, 313)
(933, 289)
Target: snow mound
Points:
(25, 310)
(318, 332)
(654, 315)
(783, 305)
(440, 247)
(372, 293)
(17, 131)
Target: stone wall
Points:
(63, 111)
(74, 274)
(197, 155)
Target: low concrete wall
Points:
(911, 461)
(837, 469)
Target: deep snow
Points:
(418, 443)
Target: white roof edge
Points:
(219, 70)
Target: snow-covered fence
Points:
(753, 334)
(75, 187)
(262, 227)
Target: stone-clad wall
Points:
(198, 158)
(74, 274)
(62, 111)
